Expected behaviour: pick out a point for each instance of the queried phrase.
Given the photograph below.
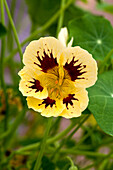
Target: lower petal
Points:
(35, 104)
(47, 107)
(53, 111)
(73, 112)
(75, 103)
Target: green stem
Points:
(14, 126)
(60, 21)
(99, 161)
(85, 137)
(41, 29)
(106, 59)
(71, 162)
(9, 34)
(43, 144)
(103, 164)
(51, 140)
(86, 153)
(14, 30)
(20, 16)
(89, 166)
(3, 86)
(106, 158)
(68, 138)
(56, 125)
(10, 43)
(106, 141)
(82, 121)
(14, 77)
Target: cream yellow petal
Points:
(43, 54)
(31, 84)
(70, 42)
(76, 105)
(47, 109)
(28, 73)
(82, 96)
(35, 104)
(72, 112)
(80, 65)
(53, 111)
(63, 36)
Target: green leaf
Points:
(2, 30)
(73, 12)
(101, 102)
(70, 13)
(41, 11)
(105, 7)
(93, 33)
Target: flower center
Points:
(57, 85)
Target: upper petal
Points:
(43, 54)
(63, 36)
(80, 65)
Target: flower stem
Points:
(104, 157)
(86, 153)
(10, 39)
(3, 86)
(51, 140)
(43, 144)
(86, 136)
(71, 162)
(80, 124)
(60, 21)
(14, 126)
(14, 30)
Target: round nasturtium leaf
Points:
(101, 102)
(93, 33)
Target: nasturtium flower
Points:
(54, 77)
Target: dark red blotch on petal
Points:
(36, 85)
(75, 71)
(48, 102)
(47, 62)
(68, 100)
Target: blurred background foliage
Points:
(79, 143)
